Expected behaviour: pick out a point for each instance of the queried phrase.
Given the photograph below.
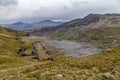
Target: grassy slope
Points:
(104, 36)
(27, 44)
(102, 66)
(89, 68)
(9, 45)
(7, 62)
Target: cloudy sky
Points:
(36, 10)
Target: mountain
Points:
(17, 25)
(47, 23)
(98, 29)
(91, 18)
(28, 26)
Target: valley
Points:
(59, 39)
(82, 49)
(69, 66)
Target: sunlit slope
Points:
(11, 41)
(8, 41)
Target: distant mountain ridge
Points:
(28, 26)
(91, 21)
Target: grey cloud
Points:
(60, 9)
(8, 2)
(65, 7)
(84, 2)
(78, 2)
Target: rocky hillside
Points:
(104, 32)
(99, 29)
(92, 18)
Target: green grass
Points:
(8, 42)
(92, 67)
(7, 62)
(27, 44)
(10, 45)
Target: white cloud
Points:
(54, 9)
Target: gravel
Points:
(75, 49)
